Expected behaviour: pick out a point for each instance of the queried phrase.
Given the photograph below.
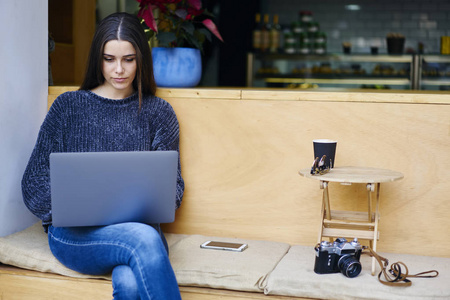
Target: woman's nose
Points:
(119, 68)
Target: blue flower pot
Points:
(177, 67)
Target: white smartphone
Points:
(237, 247)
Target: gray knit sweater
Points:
(82, 121)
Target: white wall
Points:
(23, 100)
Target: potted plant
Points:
(395, 43)
(180, 27)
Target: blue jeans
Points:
(135, 253)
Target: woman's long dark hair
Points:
(123, 27)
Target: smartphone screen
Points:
(224, 246)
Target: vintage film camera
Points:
(339, 256)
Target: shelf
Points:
(436, 82)
(337, 57)
(346, 216)
(343, 224)
(330, 76)
(349, 70)
(349, 233)
(437, 58)
(387, 81)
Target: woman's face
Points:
(119, 68)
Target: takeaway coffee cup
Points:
(325, 147)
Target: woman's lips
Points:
(120, 80)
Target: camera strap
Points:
(395, 276)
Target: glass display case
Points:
(435, 72)
(349, 71)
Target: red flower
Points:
(178, 21)
(193, 12)
(146, 13)
(196, 4)
(155, 2)
(213, 28)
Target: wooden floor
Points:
(20, 284)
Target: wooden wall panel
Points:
(84, 28)
(242, 150)
(62, 64)
(72, 25)
(240, 161)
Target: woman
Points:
(114, 110)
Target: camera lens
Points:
(349, 266)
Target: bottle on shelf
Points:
(320, 43)
(297, 28)
(305, 16)
(290, 44)
(305, 20)
(308, 43)
(297, 31)
(275, 35)
(313, 29)
(304, 46)
(265, 34)
(257, 34)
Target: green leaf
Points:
(206, 33)
(194, 42)
(149, 33)
(165, 38)
(199, 36)
(208, 13)
(188, 27)
(181, 13)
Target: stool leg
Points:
(326, 199)
(322, 215)
(370, 189)
(325, 207)
(375, 229)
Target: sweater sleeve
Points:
(167, 137)
(36, 178)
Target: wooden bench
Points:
(241, 151)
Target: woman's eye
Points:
(129, 59)
(108, 59)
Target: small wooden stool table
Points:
(352, 224)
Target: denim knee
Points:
(99, 250)
(124, 284)
(145, 237)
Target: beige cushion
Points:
(243, 271)
(294, 276)
(193, 266)
(28, 249)
(291, 274)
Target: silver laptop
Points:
(103, 188)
